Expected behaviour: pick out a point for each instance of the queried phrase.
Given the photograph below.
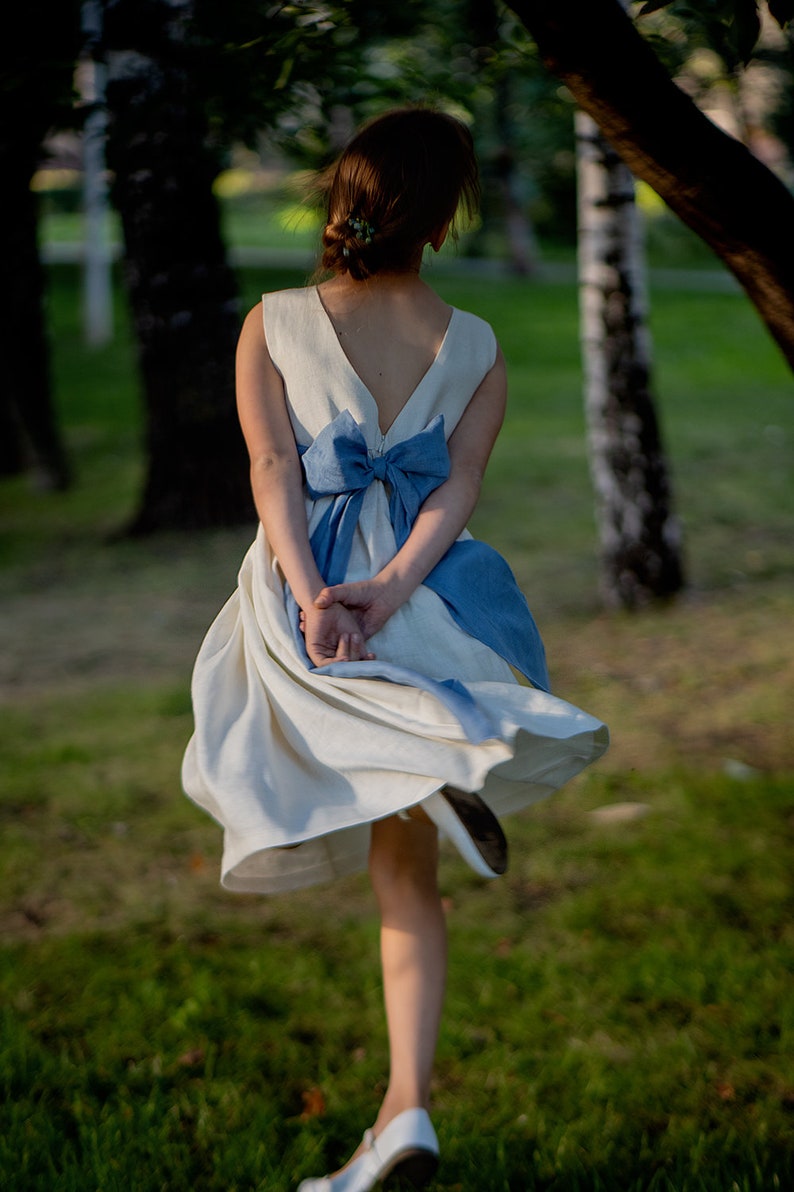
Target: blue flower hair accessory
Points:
(363, 228)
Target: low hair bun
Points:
(349, 247)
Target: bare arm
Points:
(277, 484)
(443, 515)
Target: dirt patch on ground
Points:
(709, 682)
(131, 612)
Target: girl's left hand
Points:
(332, 635)
(368, 601)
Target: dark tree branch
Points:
(716, 186)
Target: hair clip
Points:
(363, 229)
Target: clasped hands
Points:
(342, 619)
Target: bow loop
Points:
(337, 461)
(338, 464)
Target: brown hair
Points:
(399, 181)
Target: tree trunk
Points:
(36, 64)
(29, 434)
(732, 201)
(640, 538)
(521, 243)
(182, 292)
(97, 263)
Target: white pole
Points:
(97, 280)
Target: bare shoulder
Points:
(253, 329)
(255, 369)
(252, 346)
(492, 389)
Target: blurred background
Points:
(619, 1012)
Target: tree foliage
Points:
(731, 28)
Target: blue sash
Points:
(474, 581)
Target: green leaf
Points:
(286, 71)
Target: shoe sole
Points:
(412, 1170)
(482, 828)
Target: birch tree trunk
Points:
(182, 291)
(97, 268)
(639, 535)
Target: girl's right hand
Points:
(332, 634)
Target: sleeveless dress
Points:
(296, 762)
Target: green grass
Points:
(619, 1015)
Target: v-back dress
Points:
(296, 762)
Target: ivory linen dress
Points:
(296, 762)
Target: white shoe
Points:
(407, 1150)
(471, 826)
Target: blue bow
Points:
(473, 580)
(339, 464)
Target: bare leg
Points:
(403, 871)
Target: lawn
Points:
(620, 1014)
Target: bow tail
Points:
(482, 596)
(331, 544)
(332, 539)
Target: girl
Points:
(356, 694)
